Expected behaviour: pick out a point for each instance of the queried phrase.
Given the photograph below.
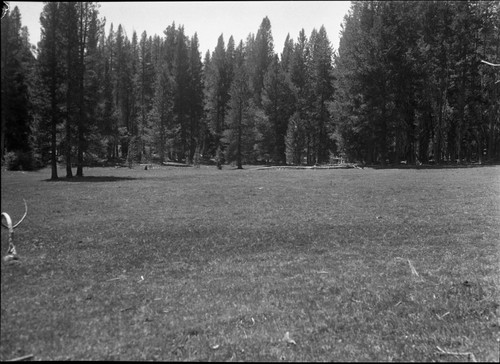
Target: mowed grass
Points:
(202, 264)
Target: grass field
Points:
(202, 264)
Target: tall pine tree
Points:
(238, 135)
(17, 70)
(51, 76)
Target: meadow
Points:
(219, 265)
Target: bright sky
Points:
(210, 19)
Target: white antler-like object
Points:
(491, 64)
(11, 253)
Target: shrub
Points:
(21, 161)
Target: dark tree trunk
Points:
(238, 153)
(53, 144)
(69, 172)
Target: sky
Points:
(210, 19)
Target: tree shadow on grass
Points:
(91, 179)
(429, 166)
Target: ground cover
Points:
(201, 264)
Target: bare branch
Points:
(470, 356)
(412, 268)
(22, 358)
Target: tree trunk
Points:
(2, 135)
(69, 173)
(238, 152)
(460, 121)
(437, 135)
(81, 121)
(81, 140)
(53, 145)
(81, 99)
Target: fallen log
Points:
(174, 164)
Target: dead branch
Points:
(470, 356)
(174, 164)
(441, 317)
(413, 270)
(22, 358)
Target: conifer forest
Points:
(412, 82)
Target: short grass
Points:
(202, 264)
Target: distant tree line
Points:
(405, 84)
(410, 84)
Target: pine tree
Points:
(321, 71)
(300, 77)
(109, 123)
(295, 140)
(123, 89)
(217, 91)
(414, 96)
(364, 105)
(93, 86)
(87, 13)
(489, 133)
(261, 52)
(50, 71)
(17, 64)
(168, 48)
(162, 114)
(287, 54)
(205, 132)
(145, 90)
(195, 97)
(182, 92)
(70, 24)
(293, 137)
(133, 148)
(278, 104)
(238, 135)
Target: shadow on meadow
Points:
(428, 166)
(91, 179)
